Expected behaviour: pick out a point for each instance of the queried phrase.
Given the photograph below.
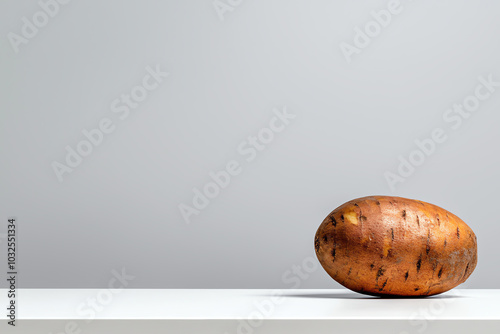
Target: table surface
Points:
(467, 304)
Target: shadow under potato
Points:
(361, 296)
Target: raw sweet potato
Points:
(384, 245)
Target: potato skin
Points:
(382, 245)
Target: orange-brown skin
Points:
(394, 246)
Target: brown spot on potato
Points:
(380, 272)
(383, 285)
(434, 266)
(428, 246)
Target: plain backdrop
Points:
(119, 208)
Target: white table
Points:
(249, 311)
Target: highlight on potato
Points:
(393, 246)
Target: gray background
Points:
(119, 208)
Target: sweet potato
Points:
(383, 245)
